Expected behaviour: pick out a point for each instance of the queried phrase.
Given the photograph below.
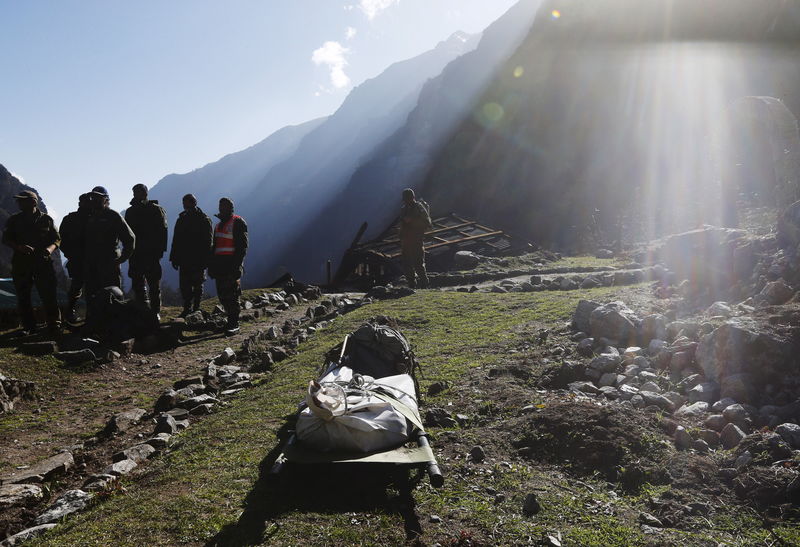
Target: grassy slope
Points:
(188, 495)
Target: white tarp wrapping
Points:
(364, 423)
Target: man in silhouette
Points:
(73, 243)
(33, 236)
(192, 242)
(415, 220)
(106, 230)
(148, 221)
(227, 259)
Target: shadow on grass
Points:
(322, 489)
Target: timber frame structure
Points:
(378, 261)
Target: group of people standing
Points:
(96, 240)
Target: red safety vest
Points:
(223, 237)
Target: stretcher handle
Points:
(434, 473)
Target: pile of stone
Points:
(13, 390)
(728, 374)
(631, 275)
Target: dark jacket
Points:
(73, 234)
(192, 240)
(37, 230)
(220, 265)
(105, 231)
(148, 221)
(414, 222)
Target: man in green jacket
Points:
(227, 259)
(33, 236)
(105, 231)
(73, 243)
(149, 224)
(192, 241)
(415, 220)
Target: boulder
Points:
(224, 358)
(580, 319)
(137, 453)
(122, 467)
(70, 502)
(716, 422)
(165, 424)
(585, 347)
(709, 436)
(19, 495)
(21, 537)
(652, 398)
(45, 470)
(76, 357)
(790, 433)
(730, 436)
(719, 309)
(606, 362)
(160, 441)
(745, 348)
(167, 400)
(614, 321)
(466, 260)
(776, 292)
(682, 438)
(193, 402)
(695, 409)
(125, 420)
(653, 327)
(438, 417)
(704, 391)
(735, 414)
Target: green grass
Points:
(186, 496)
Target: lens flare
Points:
(493, 112)
(518, 72)
(555, 14)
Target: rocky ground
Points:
(646, 400)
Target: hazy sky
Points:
(114, 93)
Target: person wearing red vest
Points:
(227, 259)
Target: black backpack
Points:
(376, 350)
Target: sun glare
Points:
(555, 14)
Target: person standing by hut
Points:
(227, 260)
(33, 237)
(415, 220)
(192, 241)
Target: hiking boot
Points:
(186, 311)
(231, 329)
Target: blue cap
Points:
(99, 190)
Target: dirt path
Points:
(74, 405)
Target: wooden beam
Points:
(471, 238)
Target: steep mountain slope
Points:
(233, 175)
(403, 159)
(9, 187)
(604, 118)
(327, 157)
